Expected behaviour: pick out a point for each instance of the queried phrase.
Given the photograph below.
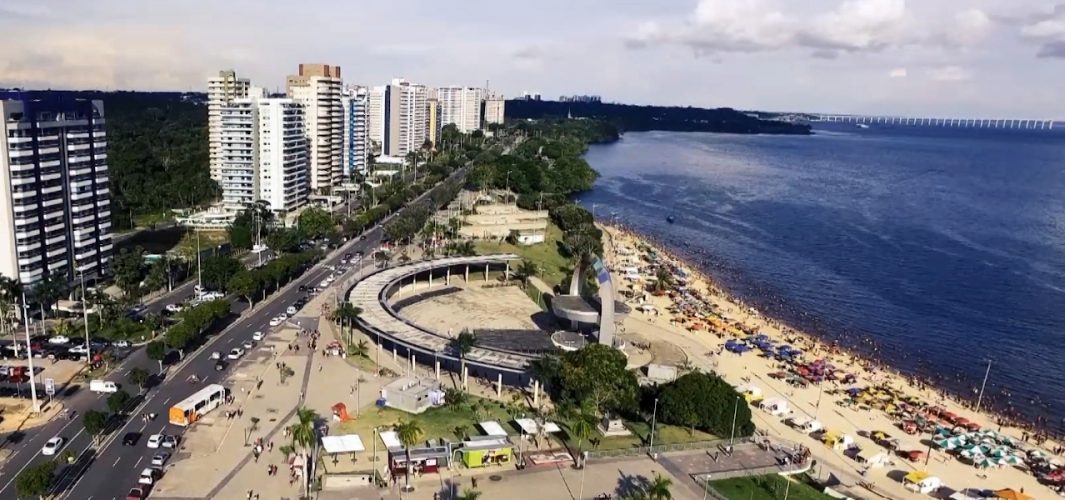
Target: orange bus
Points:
(197, 405)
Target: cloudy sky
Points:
(965, 58)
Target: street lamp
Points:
(29, 353)
(735, 411)
(654, 419)
(85, 315)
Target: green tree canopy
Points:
(598, 376)
(95, 422)
(706, 402)
(35, 480)
(316, 223)
(218, 269)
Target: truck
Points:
(106, 386)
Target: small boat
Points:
(862, 125)
(671, 219)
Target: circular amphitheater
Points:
(382, 296)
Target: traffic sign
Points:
(49, 386)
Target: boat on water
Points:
(862, 125)
(671, 219)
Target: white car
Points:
(148, 476)
(78, 349)
(216, 355)
(324, 284)
(235, 353)
(258, 336)
(209, 296)
(248, 344)
(59, 339)
(174, 308)
(53, 445)
(170, 441)
(282, 316)
(121, 343)
(276, 321)
(155, 440)
(160, 459)
(291, 311)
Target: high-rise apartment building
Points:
(55, 201)
(461, 106)
(264, 153)
(356, 103)
(433, 115)
(399, 117)
(221, 91)
(319, 87)
(494, 109)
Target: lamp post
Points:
(85, 315)
(735, 411)
(584, 467)
(706, 486)
(29, 354)
(654, 420)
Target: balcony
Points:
(77, 135)
(55, 239)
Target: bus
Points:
(197, 405)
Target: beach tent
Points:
(873, 457)
(804, 424)
(750, 392)
(1011, 494)
(774, 406)
(921, 482)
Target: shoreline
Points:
(817, 343)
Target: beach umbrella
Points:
(943, 443)
(1011, 494)
(1012, 460)
(983, 463)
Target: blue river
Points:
(934, 250)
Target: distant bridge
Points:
(999, 123)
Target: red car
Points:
(139, 493)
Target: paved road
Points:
(114, 468)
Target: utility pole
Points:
(654, 419)
(199, 266)
(735, 411)
(85, 315)
(29, 354)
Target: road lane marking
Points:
(138, 462)
(167, 400)
(116, 462)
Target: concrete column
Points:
(486, 273)
(506, 275)
(430, 277)
(413, 366)
(536, 393)
(447, 277)
(499, 385)
(438, 370)
(393, 354)
(465, 377)
(414, 284)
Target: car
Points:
(122, 343)
(283, 316)
(174, 308)
(291, 311)
(209, 296)
(324, 284)
(170, 441)
(220, 365)
(248, 344)
(59, 339)
(216, 355)
(78, 349)
(4, 370)
(53, 445)
(149, 476)
(139, 493)
(235, 353)
(160, 459)
(276, 321)
(131, 438)
(258, 336)
(155, 440)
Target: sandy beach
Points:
(701, 318)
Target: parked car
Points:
(155, 440)
(131, 438)
(106, 386)
(78, 349)
(174, 308)
(59, 339)
(170, 441)
(53, 445)
(216, 355)
(258, 336)
(122, 343)
(248, 344)
(149, 476)
(291, 311)
(235, 353)
(160, 459)
(276, 320)
(220, 365)
(283, 316)
(139, 493)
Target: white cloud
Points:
(898, 73)
(860, 25)
(1048, 30)
(949, 74)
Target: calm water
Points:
(942, 248)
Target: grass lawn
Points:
(553, 266)
(208, 239)
(770, 487)
(151, 219)
(442, 422)
(641, 431)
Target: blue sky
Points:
(965, 58)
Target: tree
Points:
(461, 346)
(117, 401)
(139, 376)
(409, 434)
(156, 352)
(128, 269)
(582, 241)
(704, 401)
(455, 398)
(50, 290)
(95, 422)
(218, 270)
(245, 283)
(469, 494)
(360, 349)
(570, 216)
(598, 375)
(658, 489)
(35, 480)
(10, 296)
(254, 222)
(345, 315)
(663, 280)
(526, 270)
(582, 423)
(305, 435)
(316, 223)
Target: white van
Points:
(103, 386)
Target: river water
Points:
(942, 249)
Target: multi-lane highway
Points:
(109, 469)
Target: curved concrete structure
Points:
(575, 308)
(417, 343)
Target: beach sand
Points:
(704, 351)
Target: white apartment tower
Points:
(398, 117)
(318, 88)
(494, 109)
(221, 91)
(55, 201)
(264, 153)
(461, 106)
(356, 104)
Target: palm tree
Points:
(658, 489)
(346, 314)
(527, 270)
(581, 424)
(663, 280)
(462, 345)
(305, 436)
(468, 494)
(409, 433)
(10, 294)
